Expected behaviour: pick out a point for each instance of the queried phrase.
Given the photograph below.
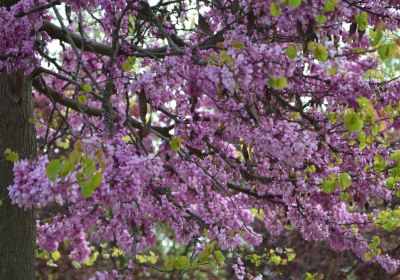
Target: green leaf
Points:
(129, 64)
(219, 258)
(86, 87)
(277, 83)
(282, 82)
(311, 276)
(383, 51)
(132, 21)
(67, 167)
(90, 186)
(344, 196)
(53, 168)
(361, 137)
(291, 51)
(176, 143)
(368, 256)
(239, 45)
(374, 130)
(329, 185)
(376, 38)
(321, 19)
(330, 5)
(362, 20)
(203, 257)
(353, 122)
(290, 254)
(332, 117)
(82, 99)
(182, 263)
(379, 163)
(169, 263)
(275, 259)
(294, 3)
(55, 255)
(387, 50)
(375, 241)
(274, 9)
(363, 102)
(345, 180)
(96, 180)
(11, 156)
(395, 171)
(392, 49)
(320, 53)
(127, 67)
(85, 189)
(333, 71)
(88, 166)
(395, 156)
(391, 182)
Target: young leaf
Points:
(361, 137)
(82, 99)
(345, 180)
(344, 196)
(53, 168)
(129, 64)
(274, 9)
(132, 21)
(96, 180)
(55, 255)
(379, 163)
(90, 186)
(275, 259)
(362, 20)
(290, 254)
(182, 263)
(383, 51)
(329, 185)
(11, 156)
(368, 256)
(321, 53)
(282, 82)
(321, 19)
(88, 166)
(169, 263)
(176, 143)
(332, 71)
(291, 51)
(219, 258)
(67, 168)
(353, 122)
(86, 87)
(294, 3)
(330, 5)
(277, 83)
(376, 38)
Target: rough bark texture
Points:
(17, 226)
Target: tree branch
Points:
(67, 102)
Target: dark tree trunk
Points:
(17, 226)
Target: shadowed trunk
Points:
(17, 226)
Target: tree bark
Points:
(17, 226)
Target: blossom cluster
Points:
(285, 115)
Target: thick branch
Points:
(56, 32)
(67, 102)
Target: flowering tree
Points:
(203, 117)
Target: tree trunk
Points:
(17, 226)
